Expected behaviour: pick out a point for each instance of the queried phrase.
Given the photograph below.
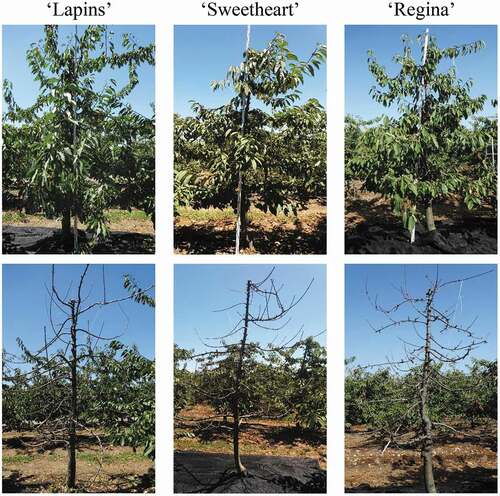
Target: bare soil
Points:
(258, 437)
(372, 228)
(115, 469)
(462, 464)
(270, 234)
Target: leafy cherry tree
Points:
(69, 119)
(277, 155)
(412, 159)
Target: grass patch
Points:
(14, 216)
(115, 215)
(17, 458)
(216, 446)
(226, 215)
(207, 214)
(256, 215)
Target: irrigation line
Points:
(244, 102)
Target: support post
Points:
(424, 58)
(240, 211)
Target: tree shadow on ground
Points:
(488, 441)
(292, 435)
(17, 483)
(468, 480)
(23, 441)
(210, 239)
(214, 430)
(134, 483)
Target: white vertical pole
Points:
(240, 179)
(424, 58)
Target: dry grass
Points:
(212, 230)
(135, 221)
(258, 437)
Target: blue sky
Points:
(385, 41)
(203, 54)
(17, 40)
(478, 298)
(25, 303)
(201, 289)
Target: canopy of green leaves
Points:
(434, 148)
(282, 149)
(80, 149)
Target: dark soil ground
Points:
(372, 228)
(115, 469)
(212, 231)
(47, 240)
(462, 464)
(131, 232)
(212, 473)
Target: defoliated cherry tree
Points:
(242, 379)
(413, 159)
(432, 343)
(69, 119)
(71, 361)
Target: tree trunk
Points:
(71, 479)
(426, 424)
(429, 217)
(67, 235)
(239, 467)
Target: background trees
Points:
(280, 150)
(79, 146)
(418, 158)
(375, 398)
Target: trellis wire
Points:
(243, 119)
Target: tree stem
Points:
(429, 217)
(240, 468)
(71, 479)
(430, 486)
